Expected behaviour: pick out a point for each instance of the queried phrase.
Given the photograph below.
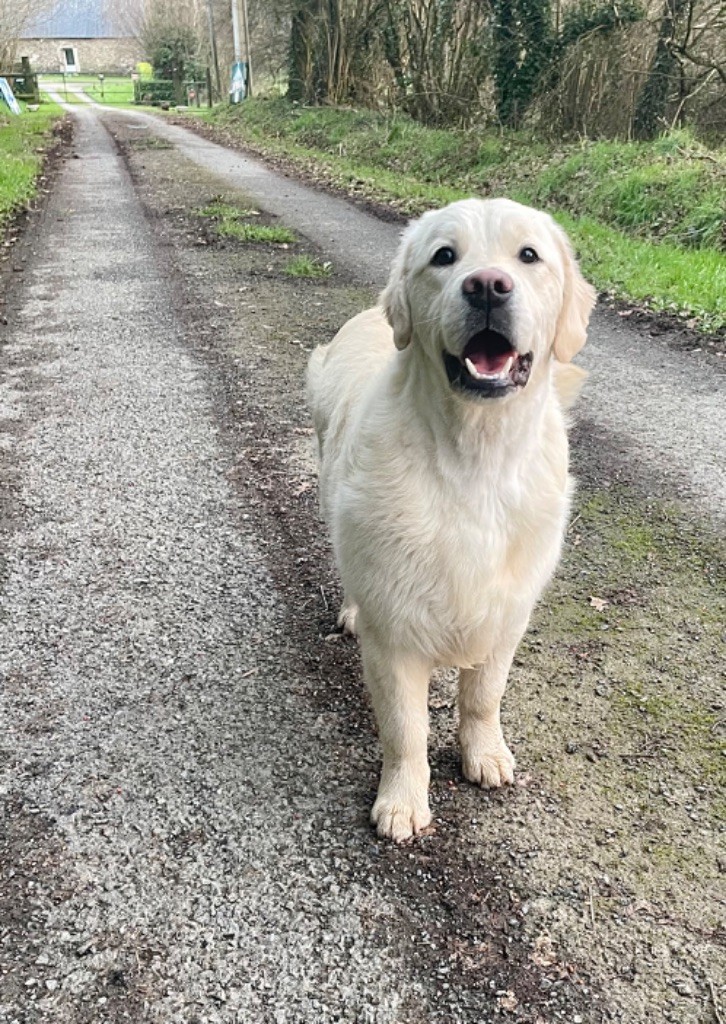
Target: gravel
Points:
(153, 725)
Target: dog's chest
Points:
(493, 541)
(488, 571)
(445, 552)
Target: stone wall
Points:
(93, 56)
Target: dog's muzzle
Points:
(489, 366)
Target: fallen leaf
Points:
(599, 603)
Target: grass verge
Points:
(24, 141)
(647, 219)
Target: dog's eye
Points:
(528, 255)
(443, 257)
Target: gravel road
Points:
(186, 759)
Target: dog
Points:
(440, 417)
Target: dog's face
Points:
(490, 290)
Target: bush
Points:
(153, 92)
(173, 50)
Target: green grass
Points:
(23, 141)
(647, 219)
(308, 266)
(231, 222)
(662, 276)
(115, 90)
(671, 190)
(255, 232)
(220, 210)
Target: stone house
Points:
(81, 37)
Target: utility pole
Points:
(240, 80)
(235, 32)
(246, 23)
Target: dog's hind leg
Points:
(347, 616)
(399, 687)
(486, 758)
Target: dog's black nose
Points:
(487, 289)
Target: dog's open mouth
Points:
(490, 366)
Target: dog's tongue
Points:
(488, 351)
(489, 363)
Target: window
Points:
(69, 62)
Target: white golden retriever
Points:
(441, 426)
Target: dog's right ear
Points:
(395, 301)
(579, 299)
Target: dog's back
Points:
(338, 372)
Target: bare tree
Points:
(699, 49)
(270, 34)
(15, 16)
(333, 50)
(126, 15)
(439, 55)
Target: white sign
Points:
(7, 94)
(238, 88)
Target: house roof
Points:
(78, 19)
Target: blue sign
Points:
(238, 88)
(7, 94)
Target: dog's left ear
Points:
(579, 299)
(394, 299)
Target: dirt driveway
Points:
(187, 757)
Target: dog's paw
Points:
(346, 619)
(400, 818)
(489, 767)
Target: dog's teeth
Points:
(501, 375)
(475, 373)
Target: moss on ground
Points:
(635, 620)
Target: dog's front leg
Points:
(399, 687)
(486, 758)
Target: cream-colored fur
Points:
(447, 511)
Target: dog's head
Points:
(490, 290)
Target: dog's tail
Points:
(568, 380)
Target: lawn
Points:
(23, 143)
(112, 90)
